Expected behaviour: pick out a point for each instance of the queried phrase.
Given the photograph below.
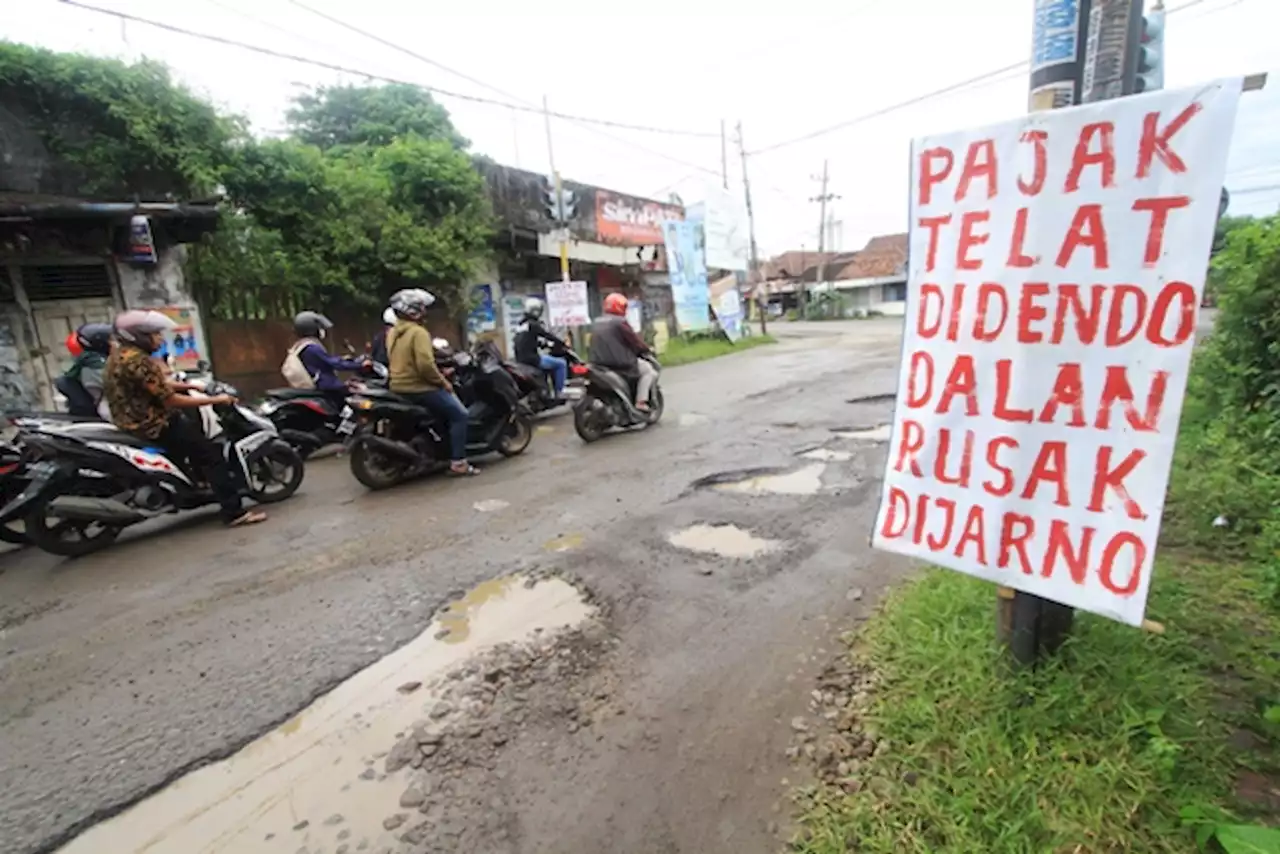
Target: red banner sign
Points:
(628, 221)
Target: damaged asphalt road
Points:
(123, 671)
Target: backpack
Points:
(295, 373)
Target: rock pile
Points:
(836, 739)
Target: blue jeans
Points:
(446, 406)
(558, 368)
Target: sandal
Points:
(251, 517)
(469, 471)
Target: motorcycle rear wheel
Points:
(67, 537)
(656, 405)
(587, 423)
(515, 440)
(372, 469)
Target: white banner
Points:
(724, 222)
(567, 304)
(1057, 263)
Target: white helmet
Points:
(534, 306)
(389, 317)
(411, 303)
(132, 325)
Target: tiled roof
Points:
(882, 257)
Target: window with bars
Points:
(67, 281)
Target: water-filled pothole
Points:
(721, 540)
(312, 783)
(826, 455)
(766, 480)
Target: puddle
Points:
(805, 481)
(544, 428)
(489, 505)
(306, 774)
(828, 455)
(563, 543)
(722, 540)
(689, 419)
(879, 433)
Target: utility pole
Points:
(724, 156)
(822, 199)
(754, 267)
(561, 225)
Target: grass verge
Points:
(681, 352)
(1105, 750)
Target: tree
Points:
(98, 128)
(370, 115)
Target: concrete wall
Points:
(158, 285)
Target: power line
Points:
(530, 105)
(331, 66)
(987, 77)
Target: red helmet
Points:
(73, 345)
(615, 304)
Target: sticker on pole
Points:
(1057, 263)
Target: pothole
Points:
(759, 481)
(879, 433)
(311, 783)
(489, 505)
(563, 543)
(827, 455)
(874, 398)
(689, 419)
(721, 540)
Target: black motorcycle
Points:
(607, 402)
(307, 418)
(535, 385)
(393, 440)
(91, 481)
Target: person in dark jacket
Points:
(310, 327)
(81, 385)
(533, 333)
(615, 345)
(378, 352)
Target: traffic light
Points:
(1151, 52)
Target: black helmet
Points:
(95, 337)
(311, 324)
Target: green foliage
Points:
(1228, 458)
(370, 115)
(112, 130)
(1099, 751)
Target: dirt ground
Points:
(656, 720)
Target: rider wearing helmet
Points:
(144, 402)
(311, 327)
(81, 385)
(534, 332)
(415, 376)
(615, 345)
(378, 352)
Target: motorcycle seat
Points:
(292, 393)
(90, 431)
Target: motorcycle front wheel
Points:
(516, 438)
(276, 475)
(375, 470)
(656, 404)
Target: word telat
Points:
(1094, 147)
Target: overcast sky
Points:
(783, 68)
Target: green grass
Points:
(1098, 752)
(682, 352)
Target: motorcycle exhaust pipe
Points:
(301, 441)
(391, 447)
(107, 511)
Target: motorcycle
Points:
(535, 386)
(393, 440)
(90, 481)
(607, 402)
(307, 418)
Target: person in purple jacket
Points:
(311, 326)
